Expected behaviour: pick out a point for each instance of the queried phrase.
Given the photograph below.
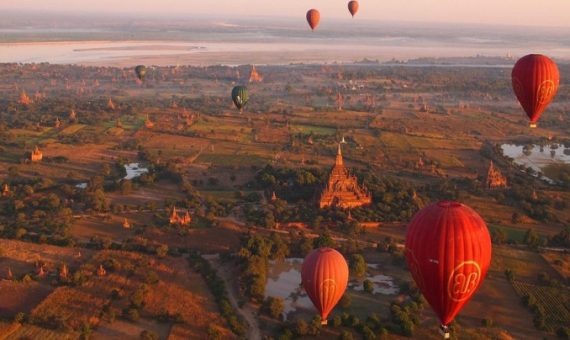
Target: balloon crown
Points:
(449, 204)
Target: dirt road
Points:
(227, 273)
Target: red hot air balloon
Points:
(313, 18)
(325, 276)
(535, 82)
(353, 7)
(448, 251)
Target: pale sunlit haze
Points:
(511, 12)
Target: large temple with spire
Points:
(495, 180)
(342, 189)
(254, 76)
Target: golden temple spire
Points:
(339, 161)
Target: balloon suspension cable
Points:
(444, 331)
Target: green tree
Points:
(126, 187)
(133, 314)
(324, 240)
(162, 251)
(368, 286)
(279, 248)
(532, 239)
(516, 218)
(357, 265)
(301, 328)
(274, 306)
(305, 246)
(214, 333)
(346, 335)
(149, 335)
(499, 236)
(345, 301)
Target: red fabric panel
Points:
(353, 7)
(448, 251)
(535, 82)
(325, 276)
(313, 18)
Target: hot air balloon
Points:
(313, 18)
(240, 96)
(324, 276)
(448, 251)
(535, 82)
(140, 70)
(353, 7)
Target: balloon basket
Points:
(444, 331)
(532, 125)
(324, 322)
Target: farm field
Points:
(410, 136)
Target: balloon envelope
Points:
(535, 82)
(313, 18)
(140, 70)
(240, 96)
(353, 7)
(448, 251)
(325, 276)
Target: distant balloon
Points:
(240, 96)
(448, 251)
(140, 70)
(535, 82)
(313, 18)
(324, 276)
(353, 7)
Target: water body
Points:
(110, 42)
(284, 281)
(134, 170)
(537, 157)
(382, 284)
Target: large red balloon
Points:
(535, 81)
(313, 18)
(325, 276)
(353, 7)
(448, 251)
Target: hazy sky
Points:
(518, 12)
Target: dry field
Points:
(121, 329)
(74, 306)
(560, 262)
(209, 240)
(18, 297)
(20, 332)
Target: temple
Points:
(5, 190)
(101, 271)
(495, 180)
(339, 101)
(63, 272)
(110, 104)
(36, 155)
(254, 76)
(24, 98)
(176, 219)
(148, 123)
(342, 189)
